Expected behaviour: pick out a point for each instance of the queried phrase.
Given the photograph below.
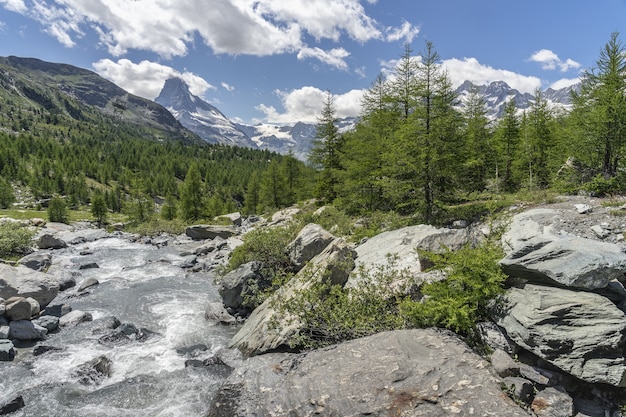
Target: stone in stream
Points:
(12, 406)
(93, 371)
(25, 282)
(26, 330)
(7, 350)
(86, 283)
(18, 308)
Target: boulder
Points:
(234, 218)
(18, 308)
(496, 338)
(211, 246)
(48, 241)
(12, 406)
(24, 282)
(420, 372)
(7, 350)
(93, 371)
(208, 231)
(284, 216)
(26, 330)
(39, 261)
(553, 402)
(4, 330)
(310, 242)
(84, 235)
(397, 249)
(236, 285)
(519, 388)
(74, 318)
(86, 283)
(503, 364)
(217, 313)
(50, 323)
(267, 329)
(578, 332)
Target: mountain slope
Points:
(66, 89)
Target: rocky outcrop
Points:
(406, 372)
(239, 283)
(578, 332)
(267, 329)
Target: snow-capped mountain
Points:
(199, 116)
(211, 125)
(498, 93)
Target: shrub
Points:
(15, 239)
(474, 278)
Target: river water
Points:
(138, 284)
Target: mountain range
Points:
(213, 126)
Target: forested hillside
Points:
(67, 134)
(414, 153)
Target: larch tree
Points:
(192, 200)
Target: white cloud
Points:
(227, 86)
(169, 27)
(564, 82)
(305, 104)
(407, 32)
(334, 57)
(146, 78)
(471, 70)
(551, 61)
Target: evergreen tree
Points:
(169, 209)
(192, 203)
(326, 150)
(57, 211)
(7, 195)
(477, 135)
(537, 143)
(273, 187)
(99, 208)
(508, 137)
(252, 195)
(600, 110)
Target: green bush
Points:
(474, 279)
(57, 211)
(600, 186)
(15, 239)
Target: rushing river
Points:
(138, 284)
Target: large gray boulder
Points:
(396, 250)
(310, 242)
(423, 372)
(208, 231)
(536, 253)
(25, 282)
(237, 284)
(26, 330)
(578, 332)
(38, 261)
(268, 329)
(48, 241)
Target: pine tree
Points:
(99, 207)
(192, 204)
(477, 135)
(57, 211)
(273, 187)
(169, 209)
(7, 195)
(252, 195)
(508, 137)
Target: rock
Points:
(309, 242)
(236, 285)
(553, 402)
(216, 312)
(3, 307)
(24, 282)
(50, 323)
(12, 406)
(37, 222)
(86, 283)
(519, 388)
(4, 331)
(578, 332)
(43, 349)
(93, 371)
(583, 208)
(234, 218)
(26, 330)
(7, 350)
(266, 329)
(537, 375)
(396, 249)
(420, 372)
(84, 235)
(599, 231)
(48, 241)
(211, 246)
(74, 318)
(207, 231)
(494, 337)
(89, 265)
(18, 308)
(56, 310)
(66, 281)
(284, 216)
(37, 261)
(503, 364)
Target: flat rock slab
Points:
(420, 372)
(208, 231)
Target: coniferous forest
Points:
(418, 150)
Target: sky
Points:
(273, 61)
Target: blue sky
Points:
(273, 60)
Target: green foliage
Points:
(192, 200)
(99, 208)
(15, 239)
(169, 209)
(473, 279)
(155, 226)
(57, 211)
(332, 314)
(7, 195)
(600, 186)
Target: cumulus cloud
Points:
(564, 83)
(406, 32)
(334, 57)
(227, 86)
(169, 27)
(146, 78)
(551, 61)
(305, 104)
